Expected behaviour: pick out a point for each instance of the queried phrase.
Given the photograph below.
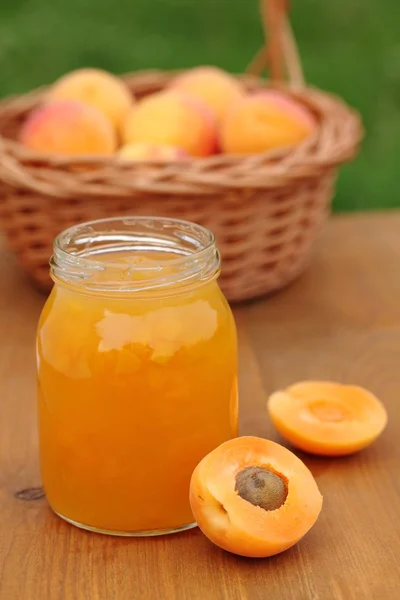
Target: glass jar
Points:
(137, 373)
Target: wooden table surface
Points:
(340, 321)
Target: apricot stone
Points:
(327, 418)
(253, 497)
(98, 88)
(68, 128)
(264, 121)
(216, 88)
(262, 487)
(172, 119)
(154, 152)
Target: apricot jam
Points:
(137, 373)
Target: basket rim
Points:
(335, 142)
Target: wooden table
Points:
(340, 321)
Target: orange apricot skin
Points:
(288, 410)
(68, 128)
(98, 88)
(234, 524)
(216, 88)
(173, 119)
(151, 152)
(264, 121)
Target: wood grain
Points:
(339, 321)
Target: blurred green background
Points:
(351, 47)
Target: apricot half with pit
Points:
(327, 418)
(253, 497)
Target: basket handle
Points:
(280, 52)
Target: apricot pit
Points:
(261, 487)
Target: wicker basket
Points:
(265, 210)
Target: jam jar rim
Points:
(78, 269)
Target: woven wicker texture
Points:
(265, 210)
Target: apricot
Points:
(98, 88)
(172, 119)
(253, 497)
(69, 128)
(264, 121)
(327, 418)
(142, 151)
(216, 88)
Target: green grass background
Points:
(351, 47)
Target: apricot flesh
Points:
(253, 497)
(327, 418)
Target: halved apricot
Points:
(253, 497)
(327, 418)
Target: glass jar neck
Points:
(135, 255)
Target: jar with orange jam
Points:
(137, 373)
